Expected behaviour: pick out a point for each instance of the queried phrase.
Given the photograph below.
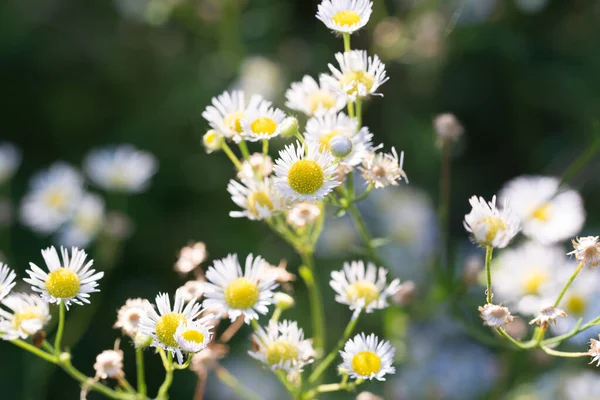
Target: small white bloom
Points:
(29, 314)
(595, 351)
(365, 357)
(86, 223)
(383, 169)
(587, 250)
(121, 169)
(10, 159)
(238, 292)
(52, 198)
(261, 121)
(226, 113)
(359, 75)
(130, 315)
(109, 364)
(447, 127)
(212, 141)
(345, 16)
(282, 346)
(194, 336)
(257, 165)
(190, 257)
(162, 325)
(362, 288)
(7, 280)
(548, 213)
(489, 225)
(261, 76)
(314, 99)
(548, 315)
(305, 177)
(259, 199)
(69, 281)
(193, 289)
(495, 315)
(303, 214)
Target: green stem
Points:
(232, 156)
(564, 354)
(488, 272)
(364, 232)
(359, 112)
(581, 161)
(61, 328)
(346, 41)
(276, 314)
(34, 350)
(265, 147)
(235, 384)
(76, 374)
(314, 377)
(164, 388)
(300, 137)
(571, 279)
(141, 375)
(520, 345)
(244, 149)
(127, 386)
(315, 300)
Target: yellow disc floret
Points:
(264, 126)
(366, 363)
(56, 198)
(281, 350)
(321, 99)
(193, 336)
(63, 283)
(241, 294)
(363, 290)
(233, 121)
(166, 327)
(352, 80)
(306, 177)
(576, 304)
(532, 282)
(346, 18)
(542, 213)
(493, 225)
(259, 198)
(26, 314)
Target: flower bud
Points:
(289, 127)
(212, 140)
(340, 146)
(284, 301)
(142, 341)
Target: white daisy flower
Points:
(365, 357)
(282, 346)
(359, 75)
(595, 351)
(238, 292)
(7, 280)
(490, 226)
(109, 364)
(383, 169)
(226, 112)
(362, 288)
(86, 223)
(257, 165)
(194, 336)
(10, 159)
(261, 76)
(259, 199)
(345, 16)
(121, 169)
(495, 315)
(322, 130)
(548, 315)
(162, 325)
(312, 98)
(52, 198)
(212, 141)
(69, 281)
(305, 176)
(587, 250)
(29, 314)
(193, 289)
(261, 121)
(130, 315)
(548, 213)
(526, 277)
(302, 214)
(190, 257)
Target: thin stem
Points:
(97, 386)
(571, 279)
(315, 299)
(488, 273)
(244, 149)
(232, 156)
(444, 204)
(276, 314)
(564, 354)
(164, 388)
(364, 232)
(359, 111)
(520, 345)
(34, 350)
(49, 348)
(141, 375)
(265, 146)
(346, 41)
(255, 325)
(581, 161)
(300, 137)
(127, 386)
(235, 385)
(61, 328)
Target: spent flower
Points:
(383, 169)
(587, 250)
(495, 315)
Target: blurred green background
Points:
(521, 75)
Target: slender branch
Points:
(164, 388)
(364, 232)
(235, 385)
(141, 375)
(265, 146)
(566, 287)
(61, 328)
(488, 273)
(232, 156)
(564, 354)
(34, 350)
(244, 149)
(315, 300)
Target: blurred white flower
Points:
(489, 225)
(312, 98)
(383, 169)
(130, 315)
(29, 314)
(86, 223)
(121, 169)
(193, 289)
(259, 199)
(7, 280)
(302, 214)
(10, 159)
(345, 16)
(53, 196)
(261, 76)
(587, 250)
(447, 127)
(190, 257)
(109, 364)
(226, 112)
(257, 165)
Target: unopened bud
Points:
(340, 146)
(64, 357)
(142, 341)
(406, 293)
(284, 301)
(289, 127)
(212, 140)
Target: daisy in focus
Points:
(312, 98)
(7, 280)
(162, 325)
(383, 169)
(282, 346)
(305, 176)
(193, 337)
(237, 292)
(261, 122)
(363, 288)
(86, 223)
(130, 315)
(548, 213)
(259, 199)
(365, 357)
(489, 225)
(345, 16)
(69, 281)
(121, 169)
(28, 315)
(10, 159)
(358, 75)
(52, 198)
(587, 250)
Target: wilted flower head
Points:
(489, 225)
(109, 364)
(547, 315)
(383, 169)
(257, 166)
(190, 257)
(130, 315)
(587, 250)
(595, 351)
(495, 315)
(303, 214)
(10, 159)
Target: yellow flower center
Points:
(366, 363)
(533, 281)
(363, 290)
(576, 305)
(241, 294)
(494, 224)
(193, 336)
(26, 314)
(166, 327)
(210, 137)
(259, 198)
(263, 125)
(346, 18)
(281, 350)
(542, 213)
(321, 98)
(232, 121)
(119, 178)
(63, 283)
(353, 79)
(326, 138)
(306, 177)
(56, 198)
